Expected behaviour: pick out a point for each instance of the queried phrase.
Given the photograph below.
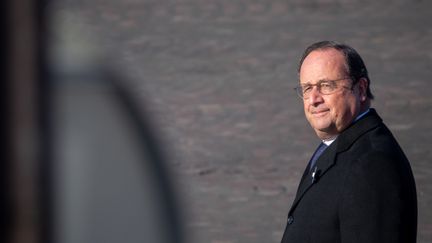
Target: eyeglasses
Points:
(325, 87)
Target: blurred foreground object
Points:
(80, 161)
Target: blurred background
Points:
(216, 78)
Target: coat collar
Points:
(353, 132)
(344, 141)
(341, 144)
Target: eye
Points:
(326, 85)
(306, 88)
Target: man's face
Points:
(329, 114)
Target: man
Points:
(358, 186)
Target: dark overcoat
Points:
(363, 191)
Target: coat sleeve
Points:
(372, 201)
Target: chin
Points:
(321, 126)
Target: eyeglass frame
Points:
(300, 93)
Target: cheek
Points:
(337, 108)
(305, 107)
(343, 113)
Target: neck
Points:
(325, 136)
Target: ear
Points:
(363, 84)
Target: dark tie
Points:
(316, 155)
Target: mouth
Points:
(320, 112)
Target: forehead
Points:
(323, 65)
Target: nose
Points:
(315, 97)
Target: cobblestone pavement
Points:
(218, 74)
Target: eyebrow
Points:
(319, 81)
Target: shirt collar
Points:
(361, 115)
(329, 141)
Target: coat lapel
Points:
(323, 164)
(328, 158)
